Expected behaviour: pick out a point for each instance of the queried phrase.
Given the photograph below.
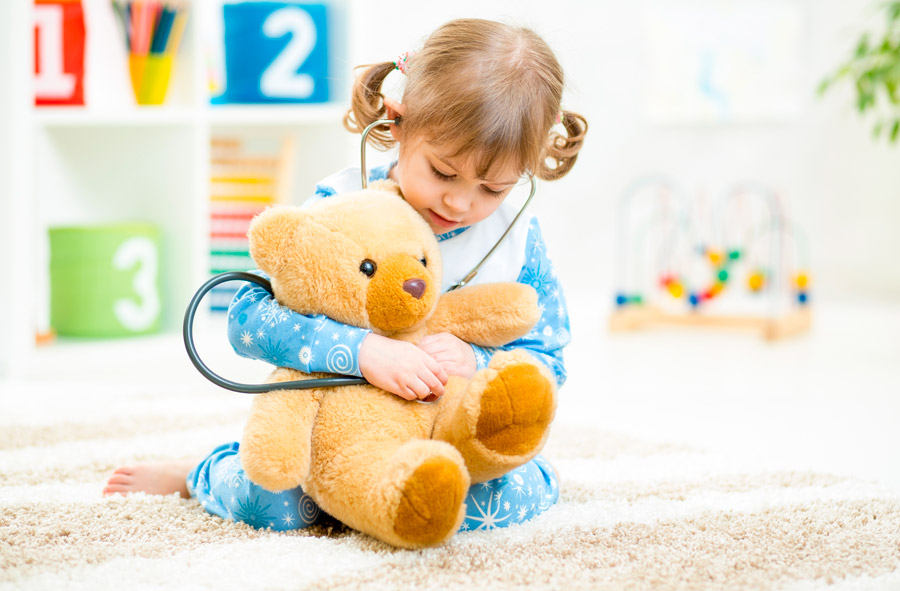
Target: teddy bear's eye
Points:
(424, 261)
(368, 267)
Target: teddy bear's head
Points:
(365, 259)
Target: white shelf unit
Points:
(114, 161)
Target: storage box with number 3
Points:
(104, 280)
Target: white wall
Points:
(842, 186)
(14, 182)
(5, 150)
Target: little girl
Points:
(480, 109)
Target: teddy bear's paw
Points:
(431, 502)
(517, 405)
(502, 359)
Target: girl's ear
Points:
(393, 109)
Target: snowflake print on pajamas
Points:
(252, 512)
(274, 352)
(305, 356)
(489, 517)
(271, 313)
(538, 279)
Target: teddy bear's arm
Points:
(488, 315)
(275, 447)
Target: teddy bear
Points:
(395, 469)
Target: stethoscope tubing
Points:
(188, 335)
(471, 274)
(188, 328)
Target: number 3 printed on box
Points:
(138, 252)
(275, 52)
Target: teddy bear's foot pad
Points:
(430, 502)
(516, 409)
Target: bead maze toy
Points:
(681, 263)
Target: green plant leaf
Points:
(873, 68)
(893, 10)
(865, 97)
(862, 47)
(876, 130)
(893, 95)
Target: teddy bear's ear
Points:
(386, 185)
(271, 235)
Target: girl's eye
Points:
(367, 267)
(441, 175)
(492, 192)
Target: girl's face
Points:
(446, 191)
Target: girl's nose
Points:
(457, 201)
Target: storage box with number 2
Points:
(275, 52)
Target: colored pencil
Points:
(150, 26)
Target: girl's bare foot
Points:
(161, 478)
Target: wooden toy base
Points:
(772, 328)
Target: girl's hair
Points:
(484, 89)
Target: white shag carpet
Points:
(644, 505)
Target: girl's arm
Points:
(547, 339)
(259, 328)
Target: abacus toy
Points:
(681, 265)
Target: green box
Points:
(104, 280)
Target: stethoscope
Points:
(194, 304)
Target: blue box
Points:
(275, 52)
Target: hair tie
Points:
(401, 62)
(559, 117)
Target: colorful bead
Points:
(756, 281)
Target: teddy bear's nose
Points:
(414, 287)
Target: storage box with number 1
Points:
(104, 280)
(275, 52)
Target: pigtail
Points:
(367, 104)
(562, 150)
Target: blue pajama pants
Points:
(221, 486)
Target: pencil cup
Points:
(104, 280)
(150, 77)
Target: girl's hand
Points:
(455, 355)
(401, 368)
